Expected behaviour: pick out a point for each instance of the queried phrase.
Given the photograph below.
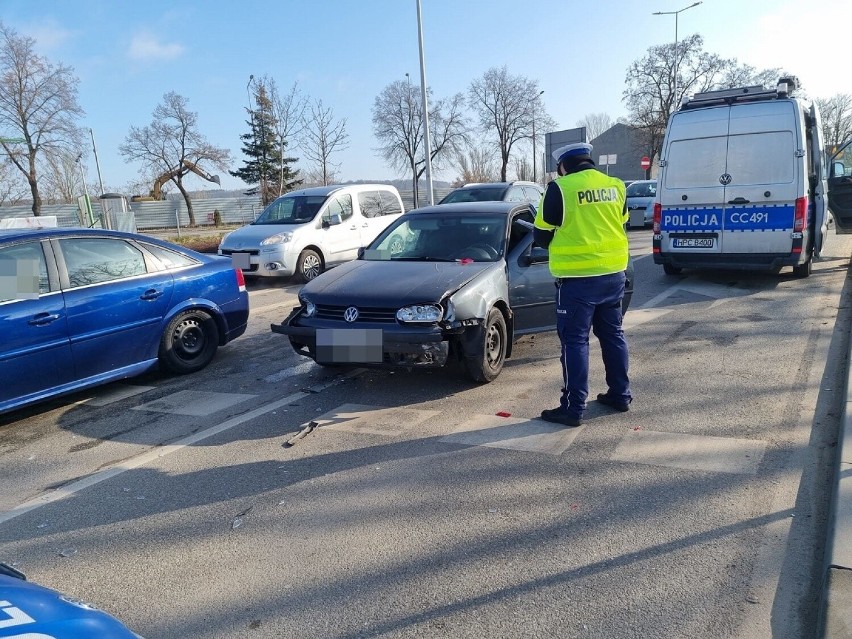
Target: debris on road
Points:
(301, 434)
(238, 518)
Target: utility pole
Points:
(426, 141)
(97, 164)
(675, 102)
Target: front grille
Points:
(249, 251)
(365, 314)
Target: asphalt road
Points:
(414, 510)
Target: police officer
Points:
(581, 221)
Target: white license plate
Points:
(694, 242)
(241, 261)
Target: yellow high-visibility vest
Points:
(592, 239)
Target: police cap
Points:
(569, 150)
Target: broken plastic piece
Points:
(68, 552)
(307, 429)
(503, 413)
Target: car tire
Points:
(486, 362)
(189, 342)
(803, 270)
(671, 270)
(309, 265)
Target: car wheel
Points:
(189, 342)
(671, 270)
(396, 245)
(486, 362)
(309, 266)
(803, 270)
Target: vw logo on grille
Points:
(725, 179)
(350, 314)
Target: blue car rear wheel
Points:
(189, 342)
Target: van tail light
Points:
(241, 279)
(801, 216)
(658, 217)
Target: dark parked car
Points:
(496, 192)
(454, 282)
(81, 307)
(30, 611)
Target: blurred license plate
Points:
(694, 242)
(349, 345)
(240, 260)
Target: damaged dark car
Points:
(456, 283)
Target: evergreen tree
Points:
(266, 163)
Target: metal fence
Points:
(169, 214)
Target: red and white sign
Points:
(645, 162)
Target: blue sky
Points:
(344, 52)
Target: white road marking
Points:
(156, 453)
(375, 420)
(194, 403)
(299, 369)
(530, 435)
(691, 452)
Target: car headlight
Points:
(310, 307)
(420, 313)
(278, 238)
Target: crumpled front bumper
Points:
(414, 346)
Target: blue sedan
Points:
(81, 307)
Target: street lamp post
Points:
(675, 14)
(535, 101)
(427, 143)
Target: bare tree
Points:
(171, 147)
(523, 168)
(288, 110)
(38, 107)
(322, 137)
(650, 83)
(398, 125)
(13, 188)
(475, 164)
(595, 123)
(62, 179)
(836, 113)
(508, 106)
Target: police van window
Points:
(757, 158)
(696, 162)
(516, 194)
(23, 272)
(342, 204)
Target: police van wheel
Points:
(671, 270)
(803, 270)
(486, 361)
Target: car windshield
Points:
(475, 194)
(441, 238)
(642, 189)
(291, 209)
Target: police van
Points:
(743, 183)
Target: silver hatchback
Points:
(640, 203)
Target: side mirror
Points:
(360, 252)
(331, 219)
(537, 255)
(837, 169)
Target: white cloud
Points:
(49, 35)
(798, 39)
(145, 46)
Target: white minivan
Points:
(742, 183)
(310, 230)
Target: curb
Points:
(836, 618)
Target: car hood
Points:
(392, 284)
(248, 237)
(55, 615)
